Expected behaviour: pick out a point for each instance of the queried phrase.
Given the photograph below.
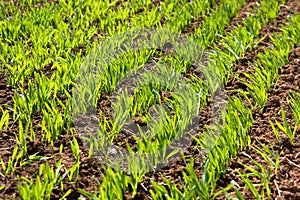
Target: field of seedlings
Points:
(141, 99)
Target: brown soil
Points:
(174, 171)
(245, 11)
(244, 64)
(196, 23)
(7, 141)
(286, 181)
(90, 171)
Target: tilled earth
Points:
(285, 184)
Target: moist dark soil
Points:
(90, 170)
(7, 141)
(285, 184)
(243, 14)
(174, 171)
(196, 23)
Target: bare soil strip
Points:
(7, 141)
(243, 14)
(90, 170)
(284, 184)
(197, 22)
(244, 64)
(173, 171)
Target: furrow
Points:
(166, 174)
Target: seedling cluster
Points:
(52, 55)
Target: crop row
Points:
(47, 40)
(240, 30)
(40, 94)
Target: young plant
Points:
(75, 168)
(46, 180)
(286, 128)
(13, 161)
(4, 120)
(294, 102)
(269, 155)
